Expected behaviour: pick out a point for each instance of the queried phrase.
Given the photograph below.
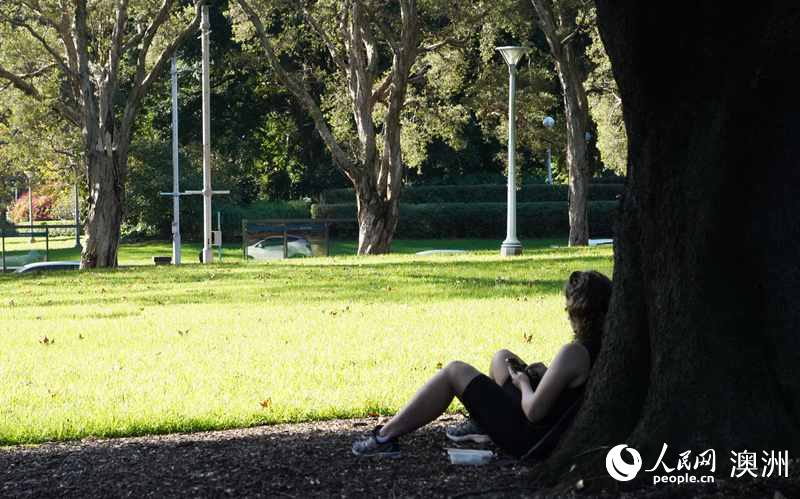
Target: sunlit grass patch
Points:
(146, 350)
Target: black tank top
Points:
(568, 397)
(564, 401)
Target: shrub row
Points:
(500, 179)
(479, 220)
(533, 193)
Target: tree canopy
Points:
(451, 126)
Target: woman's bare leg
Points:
(498, 371)
(431, 400)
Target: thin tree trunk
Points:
(701, 345)
(556, 19)
(577, 116)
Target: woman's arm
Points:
(569, 364)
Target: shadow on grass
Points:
(282, 282)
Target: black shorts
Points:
(498, 411)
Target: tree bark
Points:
(106, 193)
(701, 346)
(377, 219)
(557, 19)
(576, 109)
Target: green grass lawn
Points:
(149, 350)
(20, 251)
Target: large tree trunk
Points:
(106, 175)
(701, 344)
(377, 220)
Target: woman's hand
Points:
(538, 368)
(519, 379)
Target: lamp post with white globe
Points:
(511, 246)
(549, 123)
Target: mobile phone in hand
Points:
(515, 364)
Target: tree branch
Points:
(109, 83)
(147, 40)
(337, 58)
(570, 36)
(547, 23)
(30, 90)
(390, 174)
(50, 50)
(89, 110)
(453, 42)
(143, 83)
(379, 94)
(19, 83)
(300, 93)
(38, 72)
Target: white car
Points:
(271, 248)
(47, 266)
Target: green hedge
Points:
(534, 193)
(232, 216)
(479, 220)
(156, 223)
(500, 179)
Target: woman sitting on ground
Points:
(503, 406)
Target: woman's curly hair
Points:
(588, 294)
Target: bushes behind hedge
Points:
(479, 220)
(533, 193)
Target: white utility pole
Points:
(207, 193)
(176, 178)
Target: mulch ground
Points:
(297, 460)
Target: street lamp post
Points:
(30, 204)
(77, 209)
(511, 246)
(549, 122)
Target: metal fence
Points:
(14, 254)
(275, 239)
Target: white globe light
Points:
(548, 122)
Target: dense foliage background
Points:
(265, 147)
